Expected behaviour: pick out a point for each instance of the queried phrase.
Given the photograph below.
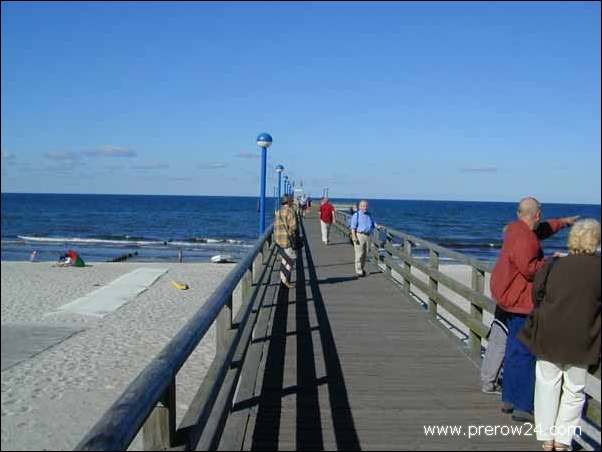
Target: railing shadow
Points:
(342, 417)
(309, 433)
(267, 426)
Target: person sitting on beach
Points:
(564, 335)
(511, 285)
(285, 229)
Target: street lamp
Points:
(264, 141)
(285, 184)
(279, 169)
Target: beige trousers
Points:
(559, 399)
(361, 252)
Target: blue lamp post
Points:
(285, 185)
(264, 141)
(279, 169)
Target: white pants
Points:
(325, 231)
(559, 399)
(361, 252)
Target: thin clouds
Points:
(479, 170)
(212, 165)
(111, 152)
(62, 156)
(150, 166)
(248, 155)
(181, 179)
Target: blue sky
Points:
(460, 101)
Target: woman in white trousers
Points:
(564, 335)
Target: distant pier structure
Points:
(337, 363)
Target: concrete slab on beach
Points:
(115, 294)
(23, 341)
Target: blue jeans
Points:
(518, 385)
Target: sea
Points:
(159, 228)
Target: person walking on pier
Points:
(327, 218)
(362, 225)
(285, 229)
(511, 286)
(564, 334)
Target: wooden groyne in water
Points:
(335, 363)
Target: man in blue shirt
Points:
(362, 225)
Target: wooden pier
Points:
(337, 363)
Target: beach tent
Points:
(76, 260)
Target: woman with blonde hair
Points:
(564, 335)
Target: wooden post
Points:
(478, 284)
(264, 254)
(159, 430)
(247, 285)
(223, 325)
(407, 249)
(257, 267)
(373, 247)
(433, 284)
(387, 253)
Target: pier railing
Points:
(149, 402)
(394, 252)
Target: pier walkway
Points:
(356, 364)
(337, 363)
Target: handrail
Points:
(475, 295)
(483, 266)
(120, 424)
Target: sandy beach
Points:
(52, 399)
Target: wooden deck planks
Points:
(355, 364)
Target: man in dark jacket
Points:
(511, 286)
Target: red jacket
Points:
(520, 258)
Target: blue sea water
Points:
(102, 227)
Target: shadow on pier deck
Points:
(355, 364)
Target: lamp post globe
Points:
(264, 141)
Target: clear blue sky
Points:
(462, 101)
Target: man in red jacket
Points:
(512, 286)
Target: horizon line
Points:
(270, 197)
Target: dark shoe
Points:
(507, 408)
(523, 416)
